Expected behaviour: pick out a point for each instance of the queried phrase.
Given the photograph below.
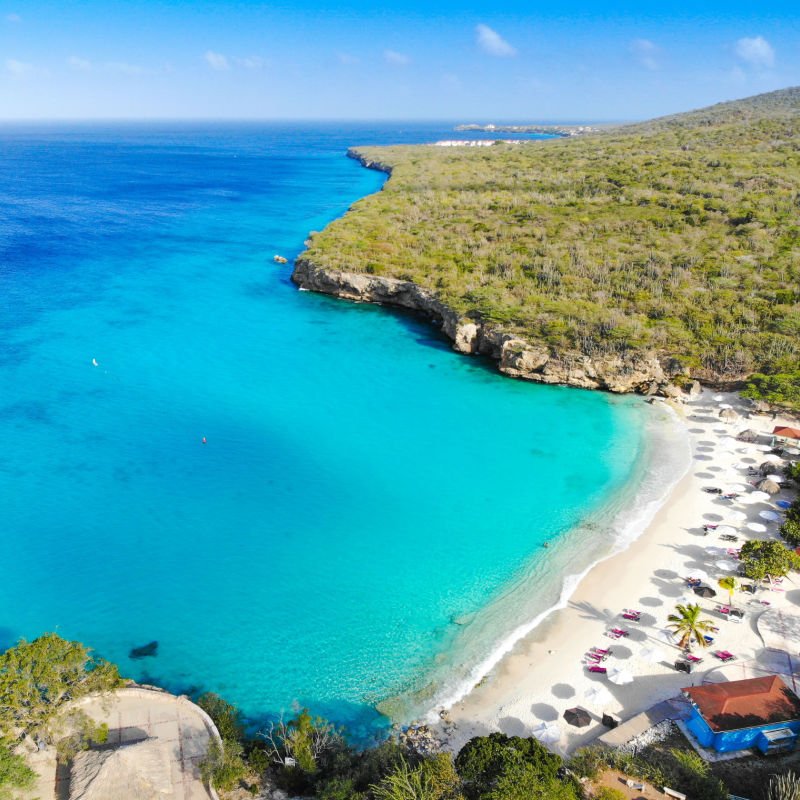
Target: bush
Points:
(609, 793)
(15, 774)
(790, 531)
(223, 766)
(226, 716)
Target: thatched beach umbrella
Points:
(728, 414)
(747, 435)
(768, 486)
(579, 717)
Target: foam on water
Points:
(362, 487)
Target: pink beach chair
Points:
(604, 651)
(724, 655)
(631, 617)
(595, 668)
(693, 659)
(618, 632)
(724, 609)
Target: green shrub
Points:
(609, 793)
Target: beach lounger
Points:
(620, 631)
(604, 651)
(724, 655)
(595, 668)
(709, 639)
(693, 659)
(631, 617)
(724, 609)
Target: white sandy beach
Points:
(546, 672)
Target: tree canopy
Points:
(767, 558)
(677, 238)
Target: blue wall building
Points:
(763, 713)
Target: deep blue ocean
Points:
(365, 520)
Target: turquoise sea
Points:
(366, 518)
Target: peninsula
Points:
(631, 260)
(554, 130)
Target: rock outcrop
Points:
(516, 356)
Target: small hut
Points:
(728, 414)
(768, 468)
(139, 771)
(768, 486)
(748, 435)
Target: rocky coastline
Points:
(516, 356)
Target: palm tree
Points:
(686, 623)
(729, 583)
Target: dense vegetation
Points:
(678, 237)
(37, 679)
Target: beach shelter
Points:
(704, 591)
(651, 654)
(728, 414)
(597, 693)
(759, 495)
(768, 515)
(579, 717)
(726, 530)
(756, 527)
(768, 486)
(547, 732)
(620, 676)
(735, 514)
(783, 504)
(748, 435)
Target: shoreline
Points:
(632, 496)
(542, 674)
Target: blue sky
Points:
(471, 61)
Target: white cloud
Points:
(18, 68)
(393, 57)
(645, 52)
(80, 64)
(250, 62)
(346, 58)
(756, 51)
(217, 61)
(491, 42)
(124, 68)
(13, 18)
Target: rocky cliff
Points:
(516, 356)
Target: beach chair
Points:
(724, 655)
(693, 659)
(595, 668)
(709, 639)
(724, 609)
(631, 617)
(604, 651)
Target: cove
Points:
(362, 492)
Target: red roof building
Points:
(786, 433)
(761, 712)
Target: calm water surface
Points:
(362, 487)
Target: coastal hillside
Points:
(624, 260)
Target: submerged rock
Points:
(149, 649)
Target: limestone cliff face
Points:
(516, 356)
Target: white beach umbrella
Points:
(651, 654)
(716, 550)
(776, 478)
(597, 693)
(756, 527)
(764, 448)
(770, 515)
(547, 732)
(726, 565)
(620, 675)
(725, 405)
(736, 487)
(735, 514)
(699, 574)
(772, 458)
(726, 530)
(719, 398)
(758, 496)
(793, 451)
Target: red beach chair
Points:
(595, 668)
